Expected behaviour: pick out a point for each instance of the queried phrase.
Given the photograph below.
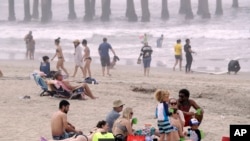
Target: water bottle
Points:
(148, 138)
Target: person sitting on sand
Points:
(101, 131)
(114, 114)
(60, 127)
(177, 132)
(68, 87)
(184, 104)
(173, 105)
(123, 124)
(60, 57)
(77, 138)
(45, 66)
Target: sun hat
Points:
(76, 41)
(117, 103)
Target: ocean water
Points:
(216, 41)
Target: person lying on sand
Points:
(185, 104)
(60, 127)
(68, 87)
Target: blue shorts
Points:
(62, 137)
(165, 127)
(146, 62)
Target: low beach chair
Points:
(39, 81)
(76, 94)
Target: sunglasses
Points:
(173, 103)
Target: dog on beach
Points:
(113, 63)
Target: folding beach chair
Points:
(76, 94)
(39, 81)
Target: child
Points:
(45, 66)
(162, 96)
(194, 133)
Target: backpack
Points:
(90, 80)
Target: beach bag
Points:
(135, 138)
(90, 80)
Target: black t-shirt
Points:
(146, 51)
(186, 49)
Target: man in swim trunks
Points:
(28, 39)
(68, 87)
(146, 52)
(104, 54)
(185, 104)
(86, 58)
(78, 57)
(178, 54)
(59, 54)
(60, 127)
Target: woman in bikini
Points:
(87, 59)
(59, 54)
(123, 125)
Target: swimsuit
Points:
(62, 137)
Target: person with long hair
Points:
(60, 57)
(123, 124)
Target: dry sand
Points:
(224, 98)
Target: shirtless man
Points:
(78, 57)
(60, 57)
(87, 59)
(60, 127)
(185, 104)
(68, 87)
(27, 40)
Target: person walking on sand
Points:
(60, 127)
(189, 57)
(178, 54)
(27, 40)
(86, 58)
(146, 52)
(60, 57)
(104, 55)
(78, 57)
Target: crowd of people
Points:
(172, 116)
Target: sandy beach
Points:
(225, 99)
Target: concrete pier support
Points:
(106, 11)
(145, 11)
(35, 13)
(235, 4)
(72, 13)
(219, 9)
(164, 10)
(188, 10)
(130, 11)
(12, 16)
(27, 15)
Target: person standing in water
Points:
(178, 54)
(160, 41)
(60, 57)
(27, 40)
(146, 52)
(86, 58)
(189, 57)
(78, 57)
